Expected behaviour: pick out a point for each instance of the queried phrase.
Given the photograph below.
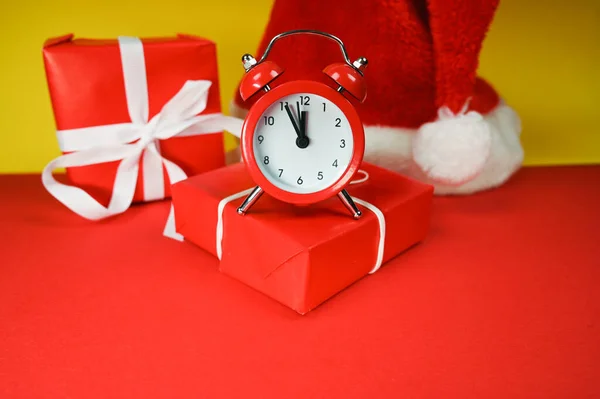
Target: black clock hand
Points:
(300, 121)
(303, 124)
(303, 142)
(300, 128)
(296, 128)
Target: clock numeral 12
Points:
(304, 100)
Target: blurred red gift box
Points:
(132, 116)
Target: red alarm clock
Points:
(302, 141)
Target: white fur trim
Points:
(453, 149)
(391, 148)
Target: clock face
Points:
(303, 143)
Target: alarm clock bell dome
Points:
(348, 78)
(258, 77)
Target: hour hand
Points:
(296, 127)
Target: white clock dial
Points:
(279, 153)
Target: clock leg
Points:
(250, 200)
(349, 203)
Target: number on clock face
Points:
(303, 168)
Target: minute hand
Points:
(302, 141)
(303, 123)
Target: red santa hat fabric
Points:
(427, 114)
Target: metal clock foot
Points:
(349, 203)
(250, 200)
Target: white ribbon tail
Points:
(152, 173)
(220, 208)
(176, 174)
(381, 221)
(81, 202)
(233, 125)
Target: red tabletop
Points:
(501, 301)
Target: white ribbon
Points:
(378, 214)
(117, 142)
(381, 221)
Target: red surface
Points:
(422, 53)
(301, 256)
(85, 80)
(255, 115)
(501, 301)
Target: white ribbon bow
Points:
(117, 142)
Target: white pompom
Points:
(453, 149)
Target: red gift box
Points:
(301, 256)
(87, 83)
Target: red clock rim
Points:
(253, 117)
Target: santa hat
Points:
(427, 113)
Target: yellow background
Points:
(543, 56)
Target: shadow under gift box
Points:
(301, 256)
(87, 88)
